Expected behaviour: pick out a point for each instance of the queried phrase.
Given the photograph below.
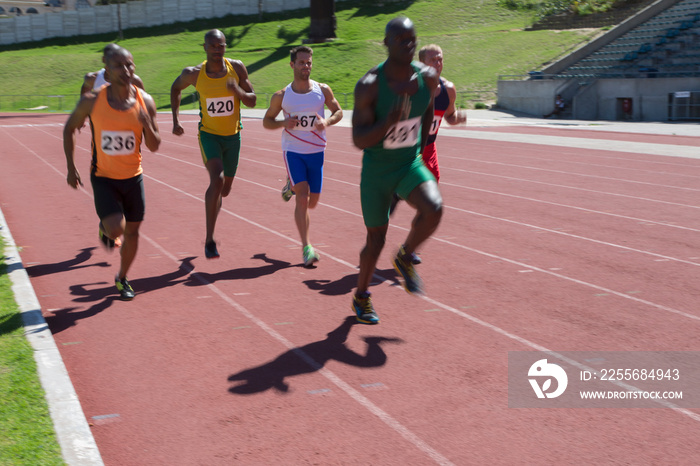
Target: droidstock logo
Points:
(544, 371)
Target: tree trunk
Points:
(323, 23)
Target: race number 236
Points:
(220, 106)
(403, 134)
(118, 142)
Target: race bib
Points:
(118, 142)
(305, 121)
(435, 126)
(220, 106)
(403, 134)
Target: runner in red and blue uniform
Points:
(444, 103)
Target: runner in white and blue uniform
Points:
(303, 139)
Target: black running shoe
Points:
(364, 311)
(415, 259)
(106, 241)
(411, 281)
(210, 250)
(126, 292)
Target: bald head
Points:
(215, 35)
(398, 26)
(109, 50)
(400, 39)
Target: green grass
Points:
(26, 431)
(481, 40)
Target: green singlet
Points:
(394, 165)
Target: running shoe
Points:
(310, 256)
(126, 292)
(287, 192)
(210, 251)
(364, 311)
(104, 239)
(415, 259)
(411, 281)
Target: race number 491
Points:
(403, 134)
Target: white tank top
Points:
(99, 80)
(304, 139)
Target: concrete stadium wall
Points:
(534, 97)
(146, 13)
(598, 100)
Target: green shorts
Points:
(381, 180)
(226, 148)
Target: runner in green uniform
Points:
(391, 120)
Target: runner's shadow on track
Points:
(103, 297)
(245, 273)
(72, 264)
(310, 358)
(348, 283)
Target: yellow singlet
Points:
(219, 109)
(116, 138)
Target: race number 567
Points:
(305, 121)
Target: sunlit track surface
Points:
(250, 358)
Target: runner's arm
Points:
(187, 78)
(243, 88)
(270, 119)
(74, 123)
(452, 115)
(366, 130)
(333, 106)
(150, 126)
(88, 82)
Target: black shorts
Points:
(124, 197)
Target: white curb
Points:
(72, 430)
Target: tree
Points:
(323, 23)
(119, 13)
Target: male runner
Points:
(391, 121)
(121, 116)
(222, 84)
(303, 138)
(93, 81)
(444, 104)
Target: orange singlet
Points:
(116, 138)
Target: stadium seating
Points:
(663, 45)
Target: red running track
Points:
(254, 359)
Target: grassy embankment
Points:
(481, 41)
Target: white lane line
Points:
(567, 206)
(523, 180)
(351, 392)
(584, 143)
(354, 394)
(560, 172)
(583, 238)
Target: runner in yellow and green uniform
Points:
(222, 84)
